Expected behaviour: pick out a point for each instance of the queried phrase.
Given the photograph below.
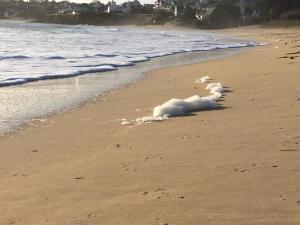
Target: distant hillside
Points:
(186, 13)
(98, 19)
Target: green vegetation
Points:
(97, 19)
(161, 16)
(206, 14)
(273, 9)
(226, 14)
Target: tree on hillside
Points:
(226, 14)
(272, 9)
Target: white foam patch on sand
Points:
(126, 123)
(179, 107)
(212, 85)
(203, 80)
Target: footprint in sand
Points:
(257, 166)
(290, 144)
(157, 193)
(282, 197)
(12, 222)
(161, 192)
(155, 157)
(120, 147)
(146, 158)
(89, 216)
(126, 168)
(242, 171)
(115, 147)
(186, 138)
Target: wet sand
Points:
(237, 165)
(21, 103)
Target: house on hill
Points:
(112, 7)
(81, 8)
(64, 7)
(249, 9)
(96, 6)
(10, 13)
(126, 8)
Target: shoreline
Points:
(137, 73)
(238, 165)
(97, 86)
(40, 96)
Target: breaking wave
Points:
(31, 52)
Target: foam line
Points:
(14, 81)
(65, 50)
(203, 79)
(179, 107)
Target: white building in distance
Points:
(112, 7)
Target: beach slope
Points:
(233, 166)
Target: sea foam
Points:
(179, 107)
(203, 79)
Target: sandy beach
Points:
(239, 165)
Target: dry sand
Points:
(239, 165)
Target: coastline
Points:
(238, 165)
(43, 97)
(83, 89)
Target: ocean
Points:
(31, 52)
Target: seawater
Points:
(32, 51)
(45, 52)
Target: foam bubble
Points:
(203, 79)
(196, 103)
(212, 85)
(178, 107)
(217, 89)
(173, 107)
(126, 123)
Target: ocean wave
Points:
(55, 57)
(59, 51)
(16, 57)
(105, 55)
(17, 81)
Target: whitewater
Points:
(32, 51)
(93, 60)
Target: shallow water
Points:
(21, 103)
(33, 51)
